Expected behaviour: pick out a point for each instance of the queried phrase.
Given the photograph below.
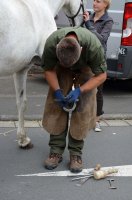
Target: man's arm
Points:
(52, 79)
(93, 82)
(86, 87)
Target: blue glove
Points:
(59, 97)
(73, 95)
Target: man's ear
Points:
(81, 48)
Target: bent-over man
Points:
(73, 56)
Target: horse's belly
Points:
(9, 68)
(14, 58)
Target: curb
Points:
(39, 117)
(15, 118)
(119, 116)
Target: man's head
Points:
(68, 51)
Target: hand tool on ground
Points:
(83, 179)
(110, 182)
(97, 173)
(90, 174)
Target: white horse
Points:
(24, 28)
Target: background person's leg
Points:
(99, 97)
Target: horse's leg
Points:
(20, 79)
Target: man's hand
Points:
(73, 95)
(59, 97)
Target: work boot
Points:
(75, 164)
(53, 161)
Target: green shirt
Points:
(92, 54)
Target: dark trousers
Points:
(99, 97)
(57, 144)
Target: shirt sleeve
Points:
(98, 62)
(49, 59)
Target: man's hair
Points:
(68, 51)
(108, 2)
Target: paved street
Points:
(111, 147)
(117, 98)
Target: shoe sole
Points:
(52, 167)
(75, 170)
(97, 130)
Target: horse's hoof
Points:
(28, 146)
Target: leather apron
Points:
(83, 117)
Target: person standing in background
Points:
(99, 23)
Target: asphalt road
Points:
(111, 147)
(117, 98)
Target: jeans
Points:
(99, 97)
